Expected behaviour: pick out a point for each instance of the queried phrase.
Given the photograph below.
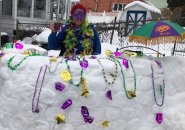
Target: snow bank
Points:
(18, 86)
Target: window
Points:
(115, 7)
(119, 7)
(7, 7)
(124, 6)
(39, 9)
(24, 8)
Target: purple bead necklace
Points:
(38, 87)
(159, 115)
(163, 88)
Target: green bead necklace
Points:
(81, 73)
(15, 67)
(132, 95)
(113, 75)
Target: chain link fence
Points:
(29, 30)
(109, 33)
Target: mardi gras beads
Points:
(117, 54)
(161, 88)
(108, 52)
(67, 74)
(38, 88)
(129, 93)
(83, 84)
(84, 63)
(54, 60)
(60, 118)
(113, 75)
(18, 46)
(66, 104)
(31, 52)
(85, 114)
(59, 86)
(1, 53)
(105, 123)
(17, 65)
(109, 94)
(159, 117)
(125, 63)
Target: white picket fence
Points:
(97, 17)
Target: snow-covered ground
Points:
(18, 87)
(21, 90)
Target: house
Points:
(105, 5)
(31, 11)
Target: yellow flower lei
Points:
(70, 40)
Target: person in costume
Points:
(77, 35)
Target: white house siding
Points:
(7, 24)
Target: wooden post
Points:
(113, 30)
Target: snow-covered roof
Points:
(149, 7)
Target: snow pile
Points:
(18, 87)
(43, 36)
(41, 50)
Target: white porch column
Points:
(14, 9)
(14, 13)
(48, 9)
(58, 7)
